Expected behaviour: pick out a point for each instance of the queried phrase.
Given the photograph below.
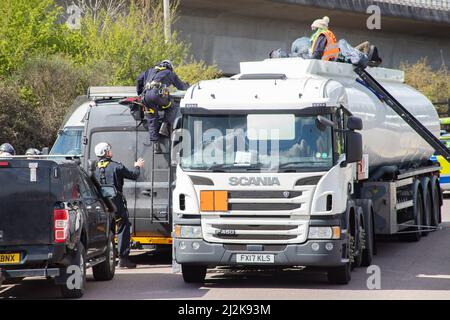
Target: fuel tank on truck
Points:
(387, 138)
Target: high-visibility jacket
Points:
(331, 51)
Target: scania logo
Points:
(254, 181)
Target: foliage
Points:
(44, 65)
(433, 84)
(27, 28)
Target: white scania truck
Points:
(299, 162)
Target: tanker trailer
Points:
(299, 162)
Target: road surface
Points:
(408, 271)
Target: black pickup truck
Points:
(55, 221)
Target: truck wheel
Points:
(105, 271)
(340, 275)
(417, 211)
(359, 239)
(193, 274)
(436, 202)
(75, 288)
(367, 254)
(427, 211)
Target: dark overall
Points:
(109, 172)
(152, 84)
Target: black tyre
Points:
(193, 274)
(436, 196)
(105, 271)
(427, 207)
(340, 275)
(368, 248)
(74, 288)
(414, 233)
(359, 239)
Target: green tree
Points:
(433, 84)
(27, 28)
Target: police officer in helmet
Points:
(110, 172)
(7, 150)
(153, 86)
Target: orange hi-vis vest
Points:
(331, 49)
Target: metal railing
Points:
(428, 4)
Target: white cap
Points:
(321, 23)
(102, 148)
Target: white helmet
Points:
(102, 148)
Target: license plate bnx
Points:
(255, 258)
(9, 258)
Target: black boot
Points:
(157, 147)
(125, 262)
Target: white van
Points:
(69, 137)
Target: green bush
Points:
(433, 84)
(132, 42)
(18, 120)
(45, 66)
(30, 27)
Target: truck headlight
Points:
(324, 233)
(188, 231)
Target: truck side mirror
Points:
(354, 147)
(175, 146)
(177, 123)
(354, 123)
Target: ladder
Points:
(415, 124)
(155, 215)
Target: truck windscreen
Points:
(273, 142)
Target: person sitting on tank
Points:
(323, 41)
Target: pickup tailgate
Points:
(26, 202)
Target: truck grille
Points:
(260, 217)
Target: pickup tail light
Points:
(61, 225)
(4, 163)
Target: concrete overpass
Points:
(226, 32)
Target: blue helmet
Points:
(6, 147)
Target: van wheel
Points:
(193, 274)
(76, 281)
(105, 271)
